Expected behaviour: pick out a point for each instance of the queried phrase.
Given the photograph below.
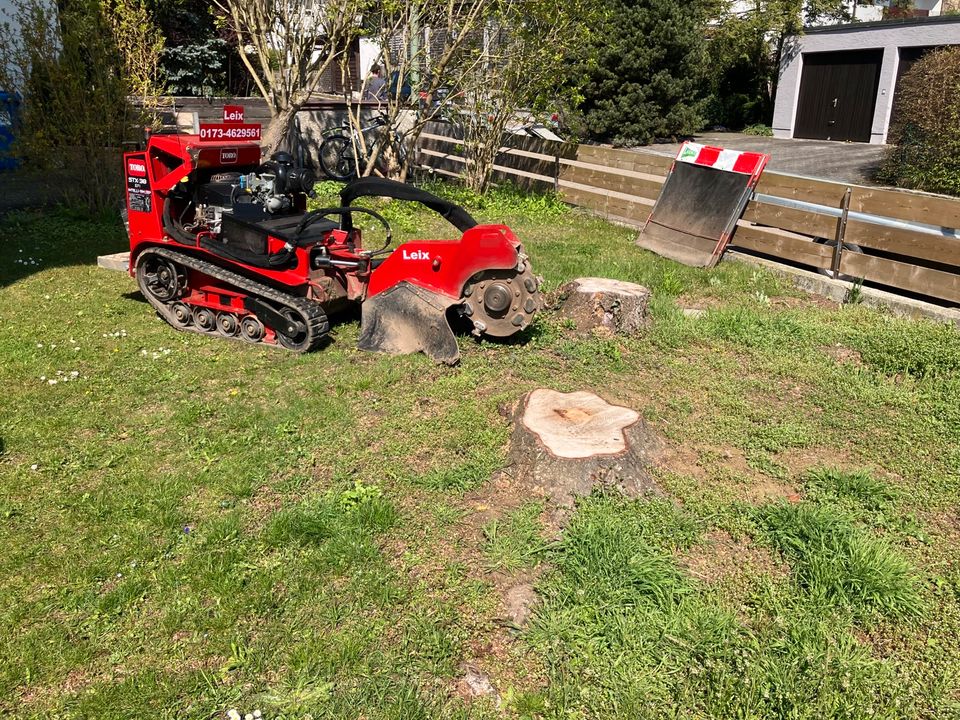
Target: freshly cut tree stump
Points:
(565, 444)
(617, 306)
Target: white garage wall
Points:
(890, 36)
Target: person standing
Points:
(375, 85)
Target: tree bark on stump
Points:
(614, 305)
(565, 444)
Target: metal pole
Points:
(841, 231)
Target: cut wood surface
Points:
(614, 305)
(578, 424)
(565, 444)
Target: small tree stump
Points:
(617, 306)
(565, 444)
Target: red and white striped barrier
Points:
(747, 163)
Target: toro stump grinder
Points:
(221, 243)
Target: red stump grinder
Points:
(221, 243)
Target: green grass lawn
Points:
(189, 526)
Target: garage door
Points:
(838, 93)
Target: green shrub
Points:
(77, 65)
(925, 138)
(758, 129)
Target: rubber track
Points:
(317, 323)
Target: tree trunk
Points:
(565, 444)
(613, 306)
(277, 135)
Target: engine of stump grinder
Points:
(221, 243)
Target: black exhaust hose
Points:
(381, 187)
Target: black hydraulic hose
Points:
(172, 228)
(315, 215)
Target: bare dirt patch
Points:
(799, 460)
(687, 302)
(804, 301)
(720, 556)
(725, 467)
(843, 355)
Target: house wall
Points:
(889, 36)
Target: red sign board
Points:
(210, 132)
(233, 114)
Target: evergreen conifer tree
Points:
(647, 80)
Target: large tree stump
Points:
(615, 305)
(565, 444)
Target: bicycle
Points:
(342, 151)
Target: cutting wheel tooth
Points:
(530, 284)
(517, 320)
(530, 305)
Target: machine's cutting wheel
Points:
(500, 303)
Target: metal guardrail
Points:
(862, 217)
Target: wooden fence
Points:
(779, 222)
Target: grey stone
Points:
(117, 261)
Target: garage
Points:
(838, 82)
(838, 95)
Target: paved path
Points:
(840, 161)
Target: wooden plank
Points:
(936, 248)
(907, 205)
(451, 164)
(549, 148)
(791, 219)
(606, 204)
(520, 160)
(782, 245)
(820, 192)
(444, 129)
(528, 182)
(439, 140)
(517, 173)
(637, 161)
(902, 276)
(647, 186)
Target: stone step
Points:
(117, 261)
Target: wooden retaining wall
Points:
(623, 186)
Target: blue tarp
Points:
(9, 110)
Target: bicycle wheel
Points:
(337, 158)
